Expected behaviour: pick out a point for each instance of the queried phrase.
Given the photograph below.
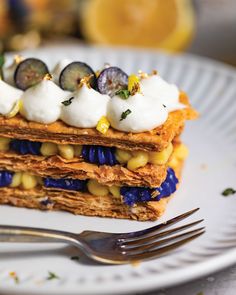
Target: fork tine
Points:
(160, 251)
(140, 248)
(157, 227)
(140, 240)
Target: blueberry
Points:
(111, 80)
(72, 74)
(29, 72)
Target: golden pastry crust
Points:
(80, 203)
(58, 132)
(57, 167)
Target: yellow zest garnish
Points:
(47, 77)
(97, 73)
(142, 74)
(18, 59)
(103, 125)
(16, 108)
(85, 81)
(133, 84)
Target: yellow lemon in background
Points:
(165, 24)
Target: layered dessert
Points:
(101, 143)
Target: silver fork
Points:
(113, 248)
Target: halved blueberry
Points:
(72, 74)
(29, 72)
(111, 80)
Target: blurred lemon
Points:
(166, 24)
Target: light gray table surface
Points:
(220, 283)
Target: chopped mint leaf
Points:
(74, 258)
(2, 60)
(125, 114)
(14, 276)
(68, 101)
(52, 276)
(228, 191)
(123, 93)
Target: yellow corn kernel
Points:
(28, 181)
(173, 163)
(97, 189)
(16, 108)
(78, 150)
(133, 83)
(16, 179)
(48, 149)
(103, 125)
(66, 151)
(4, 144)
(181, 151)
(114, 190)
(122, 156)
(140, 159)
(161, 158)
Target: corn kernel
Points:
(122, 156)
(103, 125)
(78, 150)
(173, 163)
(66, 151)
(140, 159)
(133, 83)
(181, 151)
(161, 158)
(97, 189)
(16, 179)
(48, 149)
(114, 190)
(16, 108)
(4, 144)
(28, 181)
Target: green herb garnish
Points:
(14, 276)
(52, 276)
(2, 60)
(125, 114)
(228, 191)
(123, 93)
(74, 258)
(68, 101)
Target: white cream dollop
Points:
(86, 108)
(42, 102)
(146, 113)
(8, 97)
(168, 94)
(58, 69)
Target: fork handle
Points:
(23, 234)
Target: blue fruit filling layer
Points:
(93, 154)
(132, 195)
(5, 178)
(24, 147)
(99, 155)
(65, 183)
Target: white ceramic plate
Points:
(210, 169)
